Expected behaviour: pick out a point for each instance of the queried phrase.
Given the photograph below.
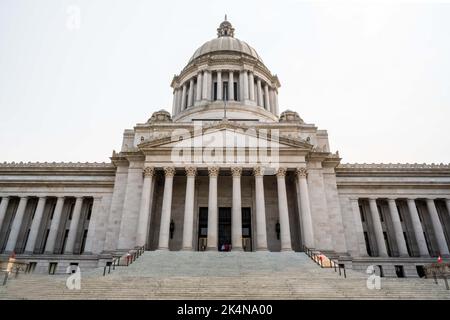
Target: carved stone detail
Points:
(213, 171)
(301, 172)
(169, 171)
(236, 171)
(258, 171)
(149, 171)
(191, 171)
(281, 172)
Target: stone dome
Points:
(225, 42)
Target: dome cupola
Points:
(225, 73)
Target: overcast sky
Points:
(376, 75)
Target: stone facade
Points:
(225, 171)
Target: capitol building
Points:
(228, 169)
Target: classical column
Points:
(437, 228)
(178, 98)
(236, 212)
(447, 202)
(183, 98)
(307, 226)
(92, 235)
(17, 223)
(213, 219)
(3, 207)
(191, 93)
(244, 75)
(251, 86)
(188, 224)
(259, 92)
(205, 85)
(31, 243)
(174, 102)
(209, 86)
(219, 85)
(277, 112)
(418, 230)
(358, 227)
(266, 97)
(272, 100)
(230, 86)
(145, 209)
(401, 243)
(166, 209)
(381, 245)
(54, 227)
(198, 95)
(261, 232)
(285, 232)
(73, 228)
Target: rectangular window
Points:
(215, 91)
(31, 267)
(235, 89)
(83, 241)
(380, 271)
(399, 271)
(427, 240)
(225, 90)
(89, 212)
(72, 205)
(52, 267)
(420, 271)
(63, 247)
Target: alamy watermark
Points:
(73, 282)
(374, 280)
(73, 18)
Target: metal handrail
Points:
(130, 258)
(318, 258)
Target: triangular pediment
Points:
(225, 135)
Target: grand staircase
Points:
(220, 275)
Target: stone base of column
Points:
(162, 249)
(211, 249)
(187, 249)
(262, 249)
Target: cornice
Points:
(55, 165)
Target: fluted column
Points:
(219, 85)
(166, 209)
(261, 232)
(285, 231)
(362, 249)
(401, 243)
(145, 208)
(73, 228)
(3, 207)
(307, 226)
(179, 92)
(272, 100)
(213, 220)
(382, 251)
(31, 243)
(266, 97)
(17, 223)
(251, 86)
(236, 211)
(259, 92)
(188, 224)
(191, 93)
(209, 86)
(447, 202)
(205, 85)
(437, 227)
(230, 86)
(245, 96)
(417, 226)
(54, 226)
(277, 112)
(183, 98)
(198, 95)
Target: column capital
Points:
(353, 198)
(281, 172)
(169, 171)
(258, 171)
(301, 172)
(213, 171)
(191, 171)
(149, 171)
(236, 171)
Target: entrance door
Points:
(202, 229)
(246, 229)
(224, 229)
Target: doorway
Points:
(224, 229)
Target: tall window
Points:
(215, 91)
(386, 241)
(235, 89)
(366, 239)
(225, 90)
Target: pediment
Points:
(225, 135)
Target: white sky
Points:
(376, 75)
